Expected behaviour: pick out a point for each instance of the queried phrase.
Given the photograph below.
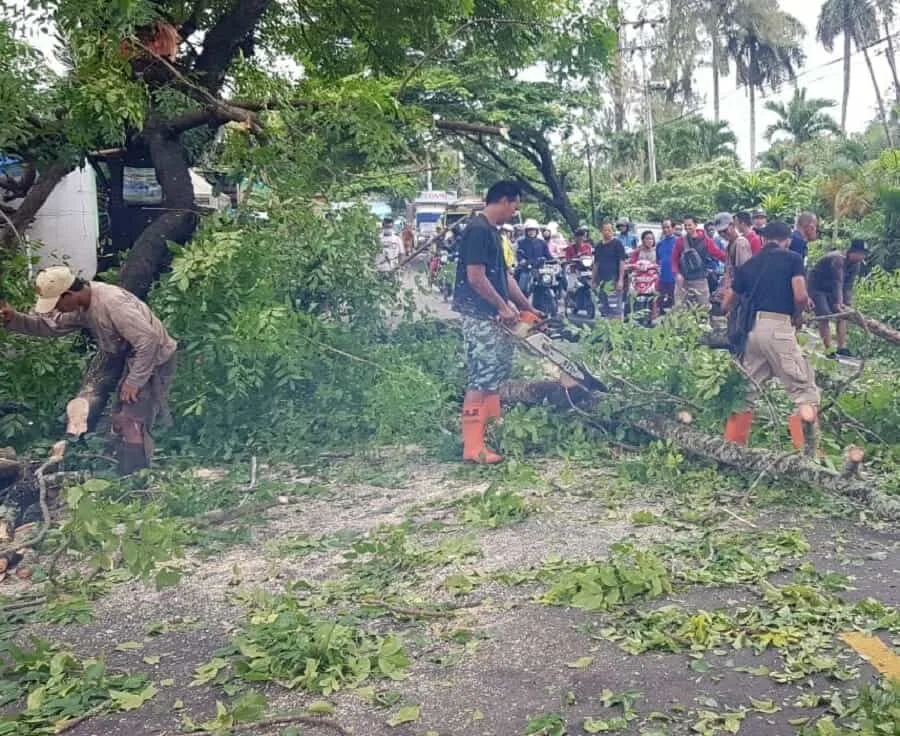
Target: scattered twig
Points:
(738, 518)
(64, 726)
(277, 721)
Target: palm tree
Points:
(801, 118)
(857, 21)
(766, 52)
(886, 10)
(682, 144)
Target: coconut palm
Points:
(887, 12)
(857, 22)
(803, 119)
(765, 49)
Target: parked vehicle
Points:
(545, 287)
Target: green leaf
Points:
(320, 708)
(131, 701)
(251, 706)
(407, 714)
(582, 663)
(765, 706)
(129, 646)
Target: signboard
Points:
(435, 196)
(140, 186)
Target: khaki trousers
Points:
(773, 352)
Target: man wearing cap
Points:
(744, 224)
(774, 283)
(737, 247)
(120, 323)
(831, 283)
(759, 221)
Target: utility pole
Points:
(590, 165)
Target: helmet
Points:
(532, 225)
(553, 228)
(582, 229)
(623, 221)
(507, 228)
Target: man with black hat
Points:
(774, 284)
(831, 289)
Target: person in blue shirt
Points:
(625, 236)
(532, 248)
(664, 250)
(806, 232)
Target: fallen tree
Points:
(785, 467)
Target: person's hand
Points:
(128, 394)
(620, 285)
(679, 279)
(6, 313)
(509, 315)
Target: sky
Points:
(820, 81)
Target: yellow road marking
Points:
(875, 652)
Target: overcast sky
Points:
(820, 81)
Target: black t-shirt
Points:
(608, 256)
(833, 273)
(773, 269)
(480, 245)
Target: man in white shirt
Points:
(391, 247)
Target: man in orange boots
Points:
(488, 298)
(774, 284)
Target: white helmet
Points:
(532, 224)
(553, 227)
(507, 228)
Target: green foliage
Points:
(873, 710)
(140, 538)
(58, 686)
(283, 643)
(630, 574)
(495, 508)
(549, 724)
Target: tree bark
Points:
(881, 111)
(846, 98)
(892, 60)
(11, 232)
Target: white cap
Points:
(50, 285)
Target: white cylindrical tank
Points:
(67, 228)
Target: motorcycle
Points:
(644, 280)
(580, 299)
(545, 287)
(446, 276)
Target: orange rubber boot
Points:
(737, 428)
(473, 427)
(492, 409)
(795, 427)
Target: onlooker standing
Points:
(743, 222)
(737, 248)
(831, 289)
(664, 250)
(689, 264)
(609, 268)
(806, 232)
(486, 295)
(774, 281)
(409, 239)
(391, 247)
(759, 221)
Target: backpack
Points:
(740, 319)
(692, 262)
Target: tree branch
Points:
(224, 39)
(37, 195)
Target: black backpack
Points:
(741, 317)
(692, 262)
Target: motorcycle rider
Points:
(556, 242)
(530, 250)
(581, 244)
(625, 236)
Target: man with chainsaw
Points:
(769, 294)
(120, 323)
(489, 300)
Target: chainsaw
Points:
(536, 337)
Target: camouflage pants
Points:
(489, 354)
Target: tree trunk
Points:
(12, 231)
(892, 60)
(881, 111)
(715, 65)
(618, 72)
(790, 468)
(846, 96)
(752, 127)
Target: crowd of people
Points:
(764, 290)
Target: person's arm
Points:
(620, 284)
(596, 270)
(34, 325)
(801, 293)
(547, 256)
(476, 275)
(518, 298)
(676, 258)
(742, 252)
(715, 251)
(520, 253)
(837, 273)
